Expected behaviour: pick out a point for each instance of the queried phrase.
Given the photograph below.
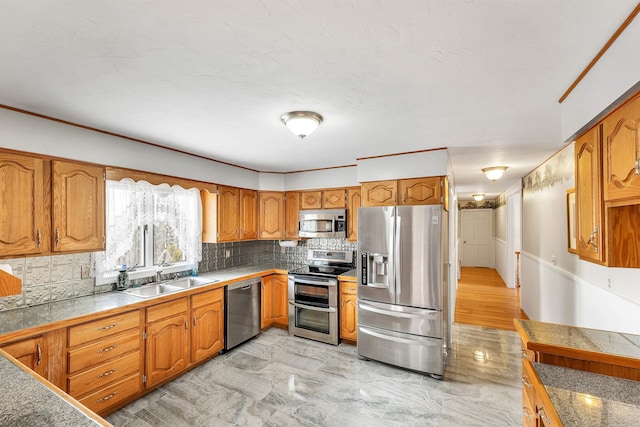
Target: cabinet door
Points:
(167, 348)
(78, 207)
(311, 200)
(209, 216)
(207, 332)
(334, 199)
(271, 215)
(248, 214)
(292, 214)
(280, 300)
(348, 311)
(228, 213)
(267, 301)
(621, 131)
(588, 199)
(354, 201)
(379, 193)
(22, 195)
(30, 352)
(421, 191)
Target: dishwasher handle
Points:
(244, 285)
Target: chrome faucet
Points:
(158, 275)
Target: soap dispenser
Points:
(123, 278)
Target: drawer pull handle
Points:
(350, 289)
(106, 374)
(526, 413)
(102, 399)
(524, 381)
(543, 416)
(525, 355)
(106, 328)
(104, 350)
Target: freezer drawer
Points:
(404, 350)
(410, 320)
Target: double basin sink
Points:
(154, 290)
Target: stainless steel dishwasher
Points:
(242, 312)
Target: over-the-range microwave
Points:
(318, 223)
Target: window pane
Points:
(166, 246)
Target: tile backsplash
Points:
(58, 277)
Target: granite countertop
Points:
(581, 339)
(38, 315)
(586, 399)
(25, 401)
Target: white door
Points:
(477, 238)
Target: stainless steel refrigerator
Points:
(403, 286)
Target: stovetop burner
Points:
(326, 263)
(321, 270)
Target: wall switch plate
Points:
(610, 283)
(85, 271)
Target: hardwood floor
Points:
(483, 299)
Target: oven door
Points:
(316, 323)
(313, 311)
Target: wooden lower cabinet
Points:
(104, 361)
(207, 331)
(31, 352)
(348, 311)
(275, 301)
(537, 408)
(167, 340)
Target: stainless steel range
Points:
(313, 295)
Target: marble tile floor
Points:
(278, 380)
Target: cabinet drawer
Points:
(206, 298)
(528, 390)
(100, 352)
(113, 394)
(350, 288)
(103, 375)
(166, 309)
(101, 328)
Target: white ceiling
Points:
(481, 77)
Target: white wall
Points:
(323, 178)
(426, 163)
(556, 286)
(36, 135)
(615, 73)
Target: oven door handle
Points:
(315, 282)
(310, 307)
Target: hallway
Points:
(483, 299)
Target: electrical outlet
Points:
(85, 271)
(610, 283)
(227, 253)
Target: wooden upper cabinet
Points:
(22, 196)
(379, 193)
(590, 232)
(621, 138)
(292, 214)
(311, 200)
(78, 218)
(228, 213)
(354, 201)
(421, 191)
(248, 214)
(325, 199)
(271, 215)
(334, 199)
(209, 216)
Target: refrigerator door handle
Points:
(391, 239)
(397, 256)
(419, 313)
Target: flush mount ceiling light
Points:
(301, 123)
(478, 197)
(494, 173)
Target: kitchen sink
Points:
(190, 282)
(149, 291)
(154, 290)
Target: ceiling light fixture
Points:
(478, 197)
(301, 123)
(494, 173)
